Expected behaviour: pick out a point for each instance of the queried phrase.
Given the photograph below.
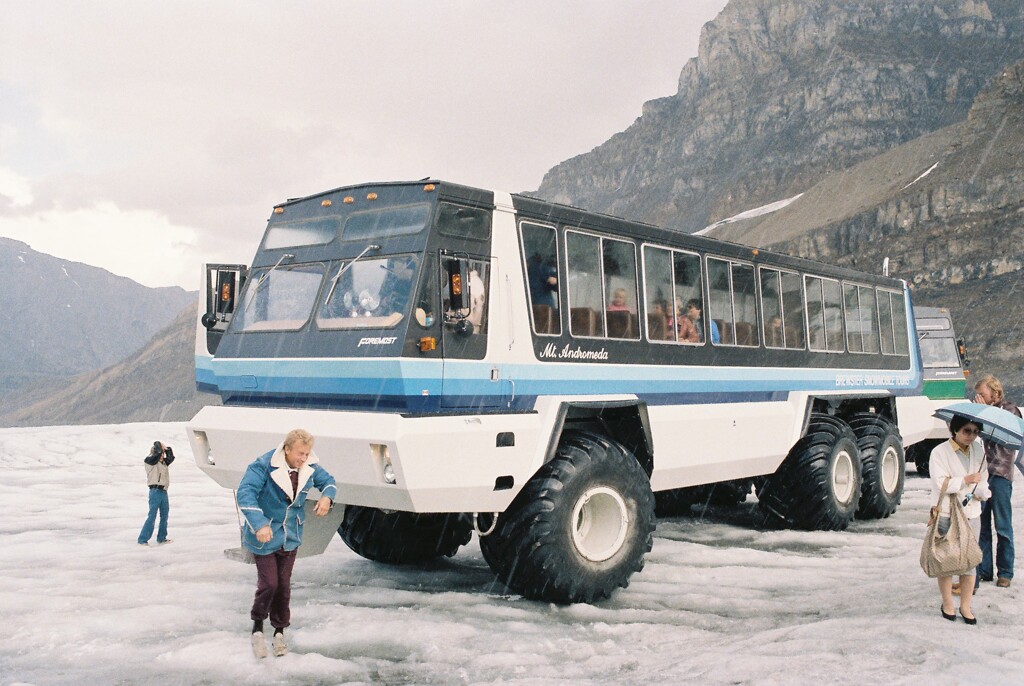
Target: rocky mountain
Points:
(785, 91)
(946, 209)
(60, 318)
(157, 383)
(896, 125)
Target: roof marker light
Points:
(326, 203)
(278, 210)
(371, 196)
(429, 187)
(348, 200)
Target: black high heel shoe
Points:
(951, 617)
(969, 620)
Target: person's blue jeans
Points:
(998, 506)
(158, 502)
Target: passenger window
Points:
(732, 299)
(824, 314)
(540, 248)
(782, 309)
(892, 319)
(620, 311)
(583, 258)
(861, 319)
(793, 311)
(672, 282)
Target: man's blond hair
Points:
(298, 436)
(993, 384)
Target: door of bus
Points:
(222, 284)
(465, 303)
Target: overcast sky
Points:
(148, 138)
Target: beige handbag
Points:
(955, 553)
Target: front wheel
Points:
(579, 528)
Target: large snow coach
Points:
(478, 360)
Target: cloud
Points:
(207, 114)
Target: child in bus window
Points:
(618, 303)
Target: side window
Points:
(463, 222)
(824, 314)
(540, 249)
(672, 282)
(732, 294)
(583, 259)
(892, 323)
(861, 319)
(793, 309)
(899, 323)
(457, 306)
(659, 294)
(782, 309)
(620, 311)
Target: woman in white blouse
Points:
(961, 459)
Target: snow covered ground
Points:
(719, 602)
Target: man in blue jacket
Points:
(271, 497)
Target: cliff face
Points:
(782, 93)
(951, 223)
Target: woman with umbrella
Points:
(961, 460)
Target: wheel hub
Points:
(600, 521)
(890, 470)
(843, 477)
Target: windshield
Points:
(371, 293)
(280, 298)
(939, 352)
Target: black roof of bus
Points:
(568, 215)
(444, 189)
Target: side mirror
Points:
(458, 284)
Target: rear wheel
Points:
(676, 502)
(883, 466)
(818, 484)
(921, 454)
(403, 537)
(580, 527)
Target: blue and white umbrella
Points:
(998, 425)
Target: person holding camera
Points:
(272, 496)
(159, 477)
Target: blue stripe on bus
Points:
(406, 378)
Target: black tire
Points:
(580, 527)
(883, 465)
(817, 486)
(921, 455)
(403, 538)
(676, 502)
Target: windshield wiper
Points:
(263, 277)
(344, 268)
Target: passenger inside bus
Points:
(685, 329)
(693, 312)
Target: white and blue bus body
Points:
(472, 359)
